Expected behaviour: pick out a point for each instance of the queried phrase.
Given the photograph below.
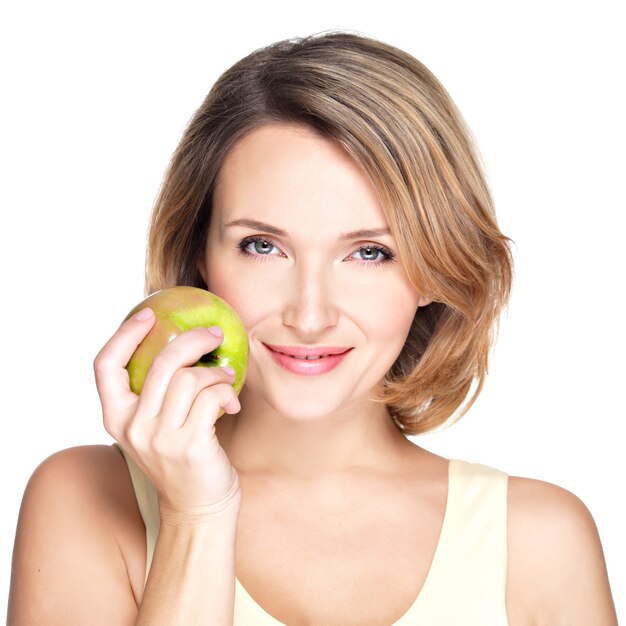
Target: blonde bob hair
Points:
(391, 114)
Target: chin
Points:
(298, 406)
(311, 398)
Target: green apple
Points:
(178, 309)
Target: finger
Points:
(186, 385)
(110, 363)
(183, 351)
(191, 438)
(210, 404)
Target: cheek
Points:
(391, 314)
(388, 295)
(383, 307)
(229, 282)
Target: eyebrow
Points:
(273, 230)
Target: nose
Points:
(311, 305)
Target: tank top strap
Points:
(148, 502)
(467, 581)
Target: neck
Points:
(259, 441)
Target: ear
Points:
(424, 301)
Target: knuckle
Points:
(111, 425)
(209, 397)
(227, 390)
(160, 364)
(230, 402)
(133, 434)
(207, 378)
(100, 365)
(185, 376)
(220, 394)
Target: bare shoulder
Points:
(83, 464)
(77, 525)
(90, 480)
(557, 572)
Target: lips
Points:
(298, 351)
(307, 361)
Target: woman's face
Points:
(299, 246)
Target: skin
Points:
(306, 469)
(312, 289)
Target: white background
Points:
(95, 98)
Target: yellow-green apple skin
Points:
(178, 309)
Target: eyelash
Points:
(389, 256)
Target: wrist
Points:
(197, 517)
(224, 510)
(222, 513)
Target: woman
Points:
(328, 189)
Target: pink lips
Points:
(294, 358)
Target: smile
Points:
(307, 361)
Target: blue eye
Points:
(256, 246)
(370, 253)
(262, 248)
(373, 255)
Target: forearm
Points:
(192, 578)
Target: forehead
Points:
(292, 176)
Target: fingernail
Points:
(229, 370)
(216, 330)
(144, 314)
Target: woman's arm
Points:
(192, 578)
(557, 572)
(72, 562)
(70, 565)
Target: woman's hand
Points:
(169, 430)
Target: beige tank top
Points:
(466, 583)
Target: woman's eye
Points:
(261, 248)
(257, 246)
(373, 254)
(369, 253)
